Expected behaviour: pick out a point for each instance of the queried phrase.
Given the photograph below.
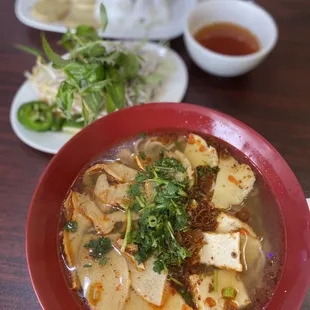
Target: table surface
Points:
(274, 100)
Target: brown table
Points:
(274, 100)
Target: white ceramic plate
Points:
(50, 142)
(159, 32)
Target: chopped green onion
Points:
(152, 221)
(176, 281)
(229, 293)
(128, 229)
(87, 265)
(71, 226)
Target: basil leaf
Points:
(96, 87)
(87, 32)
(110, 106)
(103, 17)
(92, 104)
(29, 50)
(64, 98)
(129, 65)
(117, 92)
(80, 72)
(51, 55)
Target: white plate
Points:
(308, 201)
(50, 142)
(159, 32)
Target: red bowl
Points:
(42, 237)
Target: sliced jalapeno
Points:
(36, 115)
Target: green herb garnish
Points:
(142, 155)
(98, 248)
(71, 226)
(96, 75)
(87, 265)
(163, 217)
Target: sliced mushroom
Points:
(153, 148)
(148, 284)
(115, 195)
(104, 286)
(102, 184)
(126, 157)
(72, 240)
(120, 172)
(253, 259)
(102, 222)
(233, 183)
(185, 163)
(199, 152)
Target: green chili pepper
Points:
(35, 115)
(58, 122)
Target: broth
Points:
(112, 213)
(228, 39)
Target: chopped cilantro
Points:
(142, 155)
(134, 190)
(71, 226)
(161, 218)
(98, 247)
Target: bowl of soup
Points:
(168, 206)
(229, 38)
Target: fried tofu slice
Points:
(227, 223)
(234, 182)
(222, 251)
(147, 283)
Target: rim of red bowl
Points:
(43, 259)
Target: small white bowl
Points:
(245, 14)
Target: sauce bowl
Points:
(245, 14)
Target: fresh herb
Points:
(71, 226)
(94, 74)
(187, 297)
(163, 217)
(229, 293)
(98, 248)
(87, 265)
(142, 155)
(202, 170)
(30, 50)
(142, 135)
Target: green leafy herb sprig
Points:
(92, 73)
(98, 248)
(163, 217)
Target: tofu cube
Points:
(222, 251)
